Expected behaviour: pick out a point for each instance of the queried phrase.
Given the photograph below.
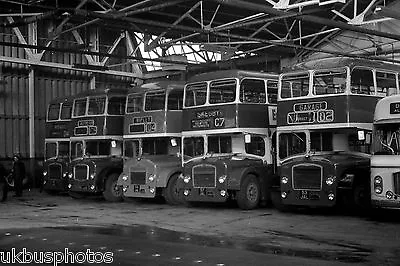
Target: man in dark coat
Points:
(3, 184)
(18, 171)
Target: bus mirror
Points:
(361, 135)
(113, 144)
(247, 138)
(173, 142)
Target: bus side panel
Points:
(253, 116)
(174, 122)
(362, 108)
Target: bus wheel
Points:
(248, 196)
(112, 192)
(171, 192)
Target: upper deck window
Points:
(66, 111)
(155, 101)
(80, 107)
(362, 81)
(272, 91)
(222, 91)
(256, 146)
(295, 85)
(329, 81)
(116, 105)
(195, 94)
(175, 100)
(96, 105)
(53, 112)
(219, 144)
(134, 103)
(252, 91)
(386, 83)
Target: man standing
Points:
(18, 175)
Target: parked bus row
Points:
(301, 138)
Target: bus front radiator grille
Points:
(204, 176)
(81, 172)
(307, 177)
(138, 177)
(55, 171)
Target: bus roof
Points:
(386, 110)
(331, 62)
(164, 84)
(222, 74)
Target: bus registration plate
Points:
(304, 195)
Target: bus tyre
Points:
(171, 192)
(112, 192)
(249, 194)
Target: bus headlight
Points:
(222, 179)
(71, 175)
(65, 174)
(69, 186)
(389, 195)
(283, 195)
(124, 177)
(223, 193)
(284, 180)
(92, 187)
(378, 190)
(92, 175)
(152, 190)
(186, 192)
(186, 179)
(124, 189)
(330, 180)
(151, 178)
(378, 184)
(44, 173)
(378, 180)
(331, 196)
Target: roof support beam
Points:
(310, 18)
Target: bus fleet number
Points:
(219, 122)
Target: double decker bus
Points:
(229, 119)
(57, 145)
(385, 161)
(324, 130)
(96, 143)
(152, 140)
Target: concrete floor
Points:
(147, 232)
